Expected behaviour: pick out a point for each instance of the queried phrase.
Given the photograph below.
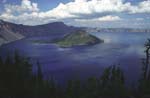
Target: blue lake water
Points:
(123, 49)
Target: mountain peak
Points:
(57, 23)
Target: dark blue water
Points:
(123, 49)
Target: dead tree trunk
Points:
(147, 62)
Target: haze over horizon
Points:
(87, 13)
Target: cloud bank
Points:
(80, 11)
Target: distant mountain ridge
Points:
(10, 32)
(40, 30)
(113, 30)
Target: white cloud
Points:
(59, 12)
(102, 6)
(26, 6)
(28, 12)
(96, 22)
(107, 18)
(143, 7)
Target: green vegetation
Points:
(18, 81)
(41, 41)
(78, 38)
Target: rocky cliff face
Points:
(7, 35)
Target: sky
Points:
(85, 13)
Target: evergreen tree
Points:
(15, 77)
(1, 63)
(1, 77)
(77, 89)
(112, 82)
(144, 86)
(39, 82)
(92, 88)
(39, 73)
(52, 87)
(70, 90)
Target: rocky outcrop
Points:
(78, 38)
